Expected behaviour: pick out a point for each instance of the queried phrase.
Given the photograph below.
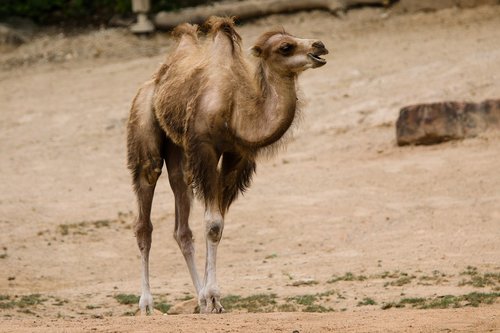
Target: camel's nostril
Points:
(319, 44)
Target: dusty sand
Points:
(342, 197)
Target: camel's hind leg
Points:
(183, 193)
(146, 142)
(143, 231)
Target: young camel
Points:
(207, 115)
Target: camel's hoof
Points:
(210, 302)
(146, 304)
(156, 313)
(213, 306)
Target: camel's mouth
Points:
(317, 60)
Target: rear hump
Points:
(185, 29)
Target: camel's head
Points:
(288, 54)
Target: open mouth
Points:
(317, 60)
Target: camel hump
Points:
(225, 25)
(185, 29)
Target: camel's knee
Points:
(214, 229)
(214, 232)
(151, 170)
(214, 224)
(146, 173)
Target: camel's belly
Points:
(185, 112)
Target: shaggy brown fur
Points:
(207, 115)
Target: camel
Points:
(207, 113)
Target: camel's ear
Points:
(256, 51)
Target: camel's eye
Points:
(286, 48)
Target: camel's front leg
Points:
(209, 297)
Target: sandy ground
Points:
(406, 223)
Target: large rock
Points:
(438, 122)
(10, 36)
(16, 31)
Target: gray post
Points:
(143, 25)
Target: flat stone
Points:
(186, 307)
(438, 122)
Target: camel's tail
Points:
(226, 25)
(185, 29)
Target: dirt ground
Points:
(376, 237)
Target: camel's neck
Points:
(267, 116)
